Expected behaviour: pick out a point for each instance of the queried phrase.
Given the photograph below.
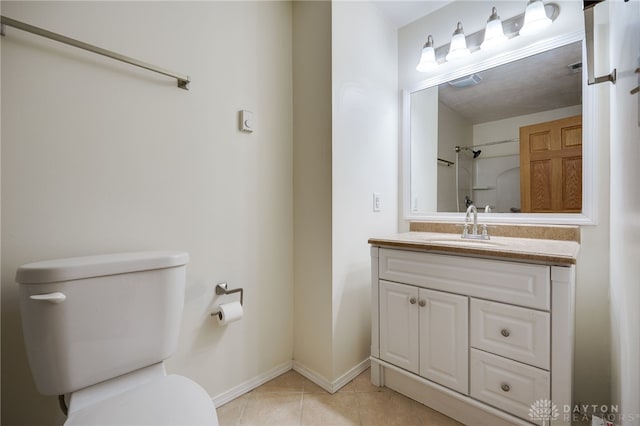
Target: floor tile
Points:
(330, 410)
(293, 400)
(229, 413)
(309, 387)
(272, 408)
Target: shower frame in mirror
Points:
(588, 215)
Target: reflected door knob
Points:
(505, 332)
(413, 300)
(422, 302)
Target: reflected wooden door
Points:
(551, 166)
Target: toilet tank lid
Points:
(75, 268)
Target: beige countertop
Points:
(531, 250)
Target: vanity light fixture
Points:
(428, 57)
(458, 47)
(535, 18)
(493, 32)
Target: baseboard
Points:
(316, 378)
(250, 385)
(327, 385)
(459, 407)
(351, 374)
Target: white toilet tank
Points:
(89, 319)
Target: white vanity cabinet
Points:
(481, 340)
(425, 332)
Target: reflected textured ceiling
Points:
(539, 83)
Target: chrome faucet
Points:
(474, 230)
(474, 210)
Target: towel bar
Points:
(183, 80)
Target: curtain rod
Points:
(183, 80)
(446, 162)
(516, 140)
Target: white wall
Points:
(592, 274)
(424, 150)
(365, 158)
(312, 187)
(345, 149)
(453, 130)
(100, 157)
(624, 51)
(509, 128)
(592, 334)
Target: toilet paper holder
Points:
(221, 288)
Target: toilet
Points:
(97, 330)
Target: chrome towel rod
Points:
(183, 80)
(589, 28)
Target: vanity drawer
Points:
(506, 384)
(518, 333)
(516, 283)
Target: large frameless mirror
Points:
(512, 139)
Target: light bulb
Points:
(458, 46)
(535, 18)
(493, 33)
(428, 57)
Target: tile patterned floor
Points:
(293, 400)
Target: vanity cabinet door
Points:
(444, 334)
(399, 325)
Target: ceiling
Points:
(401, 13)
(538, 83)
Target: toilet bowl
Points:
(97, 330)
(162, 400)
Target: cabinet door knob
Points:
(422, 302)
(505, 387)
(413, 300)
(505, 332)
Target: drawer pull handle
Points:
(422, 302)
(505, 332)
(505, 387)
(413, 300)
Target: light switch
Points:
(377, 201)
(247, 123)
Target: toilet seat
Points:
(168, 400)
